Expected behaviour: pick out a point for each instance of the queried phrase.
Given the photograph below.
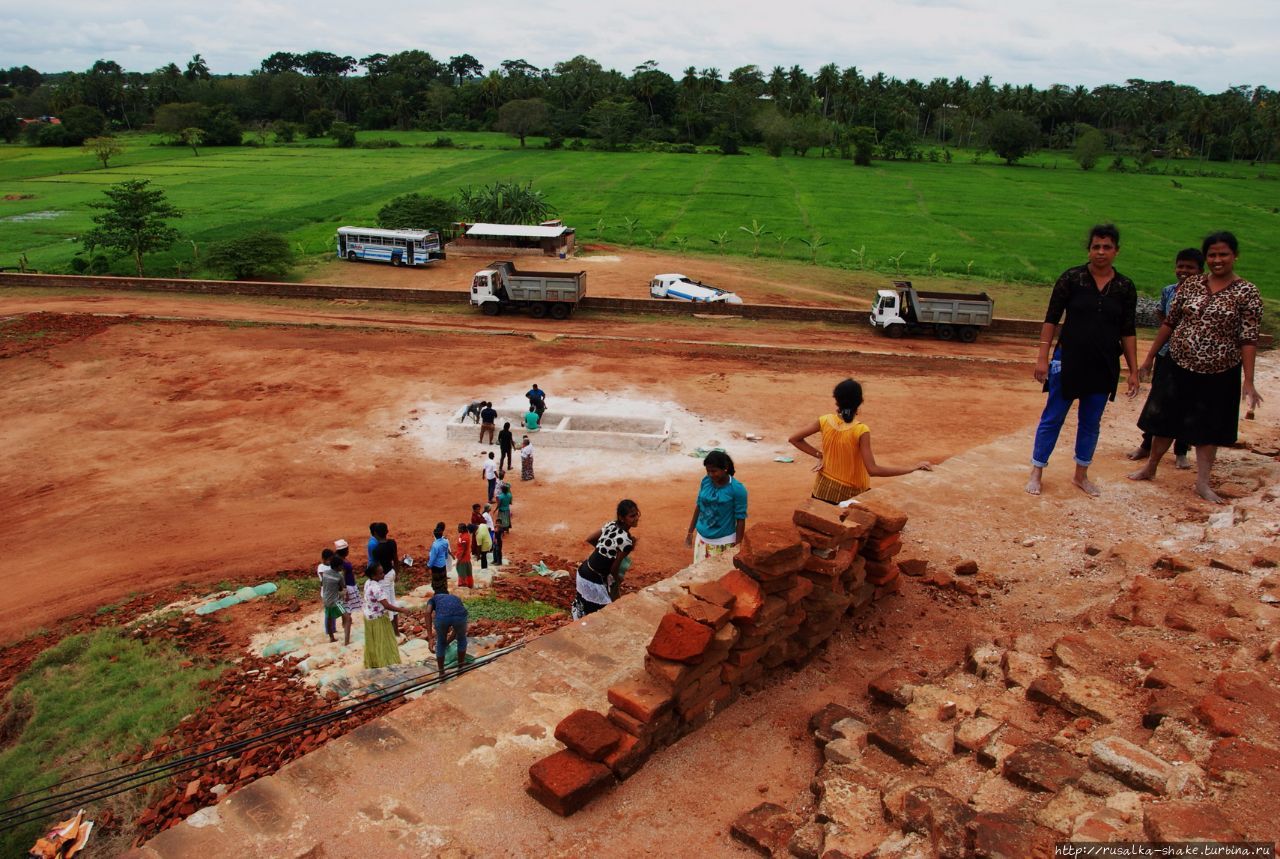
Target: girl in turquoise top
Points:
(720, 515)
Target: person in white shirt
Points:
(490, 470)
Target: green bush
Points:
(417, 212)
(256, 255)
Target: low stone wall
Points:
(791, 587)
(558, 429)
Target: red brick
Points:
(883, 548)
(778, 584)
(703, 612)
(747, 657)
(1010, 836)
(895, 687)
(565, 781)
(628, 723)
(766, 829)
(1164, 704)
(824, 542)
(820, 722)
(913, 567)
(629, 755)
(799, 591)
(1042, 766)
(748, 598)
(1186, 821)
(1267, 557)
(889, 519)
(589, 734)
(831, 520)
(937, 814)
(881, 574)
(912, 740)
(641, 698)
(840, 561)
(675, 675)
(1246, 704)
(1232, 758)
(771, 548)
(680, 639)
(712, 592)
(1173, 564)
(966, 568)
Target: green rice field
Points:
(983, 223)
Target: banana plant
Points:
(756, 230)
(860, 256)
(721, 241)
(814, 245)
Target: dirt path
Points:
(152, 452)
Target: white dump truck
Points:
(905, 310)
(543, 293)
(681, 288)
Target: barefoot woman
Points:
(1212, 331)
(1100, 304)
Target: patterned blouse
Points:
(1208, 328)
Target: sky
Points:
(1091, 42)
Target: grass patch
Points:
(297, 589)
(109, 608)
(493, 608)
(82, 703)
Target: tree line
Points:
(834, 110)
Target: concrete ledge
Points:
(561, 429)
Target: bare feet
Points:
(1087, 486)
(1144, 473)
(1184, 462)
(1033, 482)
(1138, 453)
(1203, 490)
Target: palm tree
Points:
(197, 69)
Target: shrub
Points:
(380, 143)
(417, 212)
(256, 255)
(343, 134)
(1089, 148)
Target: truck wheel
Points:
(559, 310)
(896, 330)
(538, 311)
(946, 332)
(351, 256)
(491, 308)
(968, 334)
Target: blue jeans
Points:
(459, 628)
(1088, 422)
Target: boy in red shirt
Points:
(463, 563)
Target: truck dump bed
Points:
(568, 286)
(945, 308)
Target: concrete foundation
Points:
(562, 429)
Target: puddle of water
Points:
(47, 215)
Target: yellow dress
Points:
(843, 474)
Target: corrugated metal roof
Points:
(517, 230)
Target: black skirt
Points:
(1198, 408)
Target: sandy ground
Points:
(150, 451)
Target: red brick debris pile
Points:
(792, 585)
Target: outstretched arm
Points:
(875, 470)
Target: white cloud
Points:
(1088, 42)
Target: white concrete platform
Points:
(565, 429)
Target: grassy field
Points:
(84, 701)
(983, 222)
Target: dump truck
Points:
(543, 293)
(682, 288)
(951, 316)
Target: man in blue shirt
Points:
(446, 618)
(438, 560)
(1189, 262)
(537, 401)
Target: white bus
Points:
(398, 247)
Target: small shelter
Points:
(551, 238)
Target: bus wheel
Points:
(946, 332)
(538, 310)
(351, 256)
(968, 334)
(896, 330)
(491, 308)
(559, 310)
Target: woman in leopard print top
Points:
(1212, 330)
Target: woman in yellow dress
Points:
(845, 461)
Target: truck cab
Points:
(487, 289)
(887, 310)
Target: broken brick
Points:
(766, 828)
(710, 614)
(1010, 836)
(641, 698)
(680, 639)
(1042, 766)
(944, 819)
(889, 519)
(748, 598)
(913, 567)
(588, 733)
(895, 686)
(833, 566)
(712, 592)
(627, 757)
(1131, 764)
(821, 722)
(1186, 821)
(966, 568)
(565, 781)
(770, 549)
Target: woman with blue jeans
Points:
(1100, 305)
(446, 619)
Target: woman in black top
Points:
(1100, 306)
(506, 442)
